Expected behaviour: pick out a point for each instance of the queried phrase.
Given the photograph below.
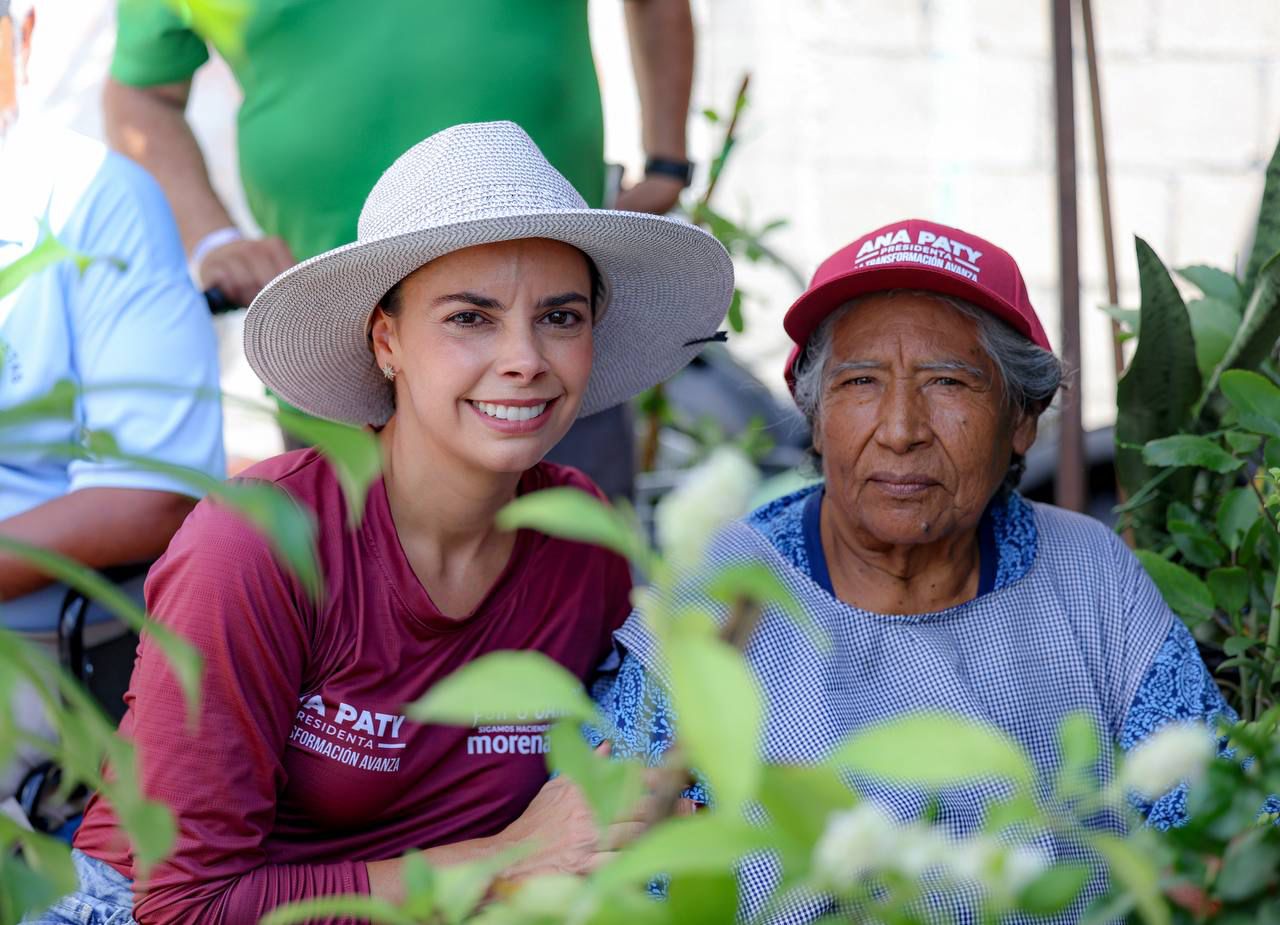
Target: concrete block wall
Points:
(866, 111)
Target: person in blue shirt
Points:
(131, 316)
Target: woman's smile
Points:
(514, 416)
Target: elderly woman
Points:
(481, 311)
(923, 370)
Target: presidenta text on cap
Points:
(929, 249)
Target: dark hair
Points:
(390, 302)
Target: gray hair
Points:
(1030, 376)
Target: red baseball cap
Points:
(915, 254)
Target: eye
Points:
(562, 318)
(857, 380)
(466, 319)
(949, 381)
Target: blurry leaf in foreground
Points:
(362, 908)
(290, 530)
(353, 452)
(721, 716)
(575, 515)
(181, 656)
(57, 404)
(501, 685)
(1136, 874)
(220, 22)
(934, 750)
(705, 843)
(756, 583)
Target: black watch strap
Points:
(666, 167)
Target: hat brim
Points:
(808, 311)
(667, 282)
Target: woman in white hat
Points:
(481, 310)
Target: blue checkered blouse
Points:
(1068, 621)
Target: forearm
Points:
(98, 527)
(149, 125)
(661, 37)
(386, 878)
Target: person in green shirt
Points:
(334, 91)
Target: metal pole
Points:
(1069, 485)
(1104, 183)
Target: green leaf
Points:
(501, 685)
(180, 654)
(1236, 514)
(1129, 319)
(47, 252)
(1162, 383)
(708, 843)
(289, 528)
(1213, 324)
(461, 887)
(1054, 890)
(353, 452)
(1230, 588)
(1266, 235)
(1214, 283)
(575, 515)
(151, 829)
(934, 750)
(609, 786)
(1255, 339)
(1189, 450)
(1251, 865)
(1255, 399)
(735, 313)
(43, 874)
(1241, 443)
(721, 716)
(756, 583)
(1185, 593)
(221, 23)
(1191, 538)
(1078, 745)
(1237, 645)
(362, 908)
(703, 898)
(1136, 873)
(798, 800)
(57, 404)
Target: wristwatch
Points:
(666, 167)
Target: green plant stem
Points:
(1269, 653)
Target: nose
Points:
(520, 357)
(904, 423)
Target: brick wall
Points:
(865, 111)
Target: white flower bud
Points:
(711, 494)
(1175, 753)
(1022, 865)
(855, 842)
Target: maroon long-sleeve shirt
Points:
(302, 766)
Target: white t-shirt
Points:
(133, 319)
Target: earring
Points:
(389, 371)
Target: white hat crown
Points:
(467, 172)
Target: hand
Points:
(240, 269)
(561, 825)
(656, 194)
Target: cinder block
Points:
(1141, 204)
(1227, 27)
(1215, 216)
(871, 25)
(929, 112)
(1168, 112)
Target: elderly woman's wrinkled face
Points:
(492, 349)
(913, 428)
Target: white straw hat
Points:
(667, 284)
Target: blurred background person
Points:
(132, 316)
(333, 94)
